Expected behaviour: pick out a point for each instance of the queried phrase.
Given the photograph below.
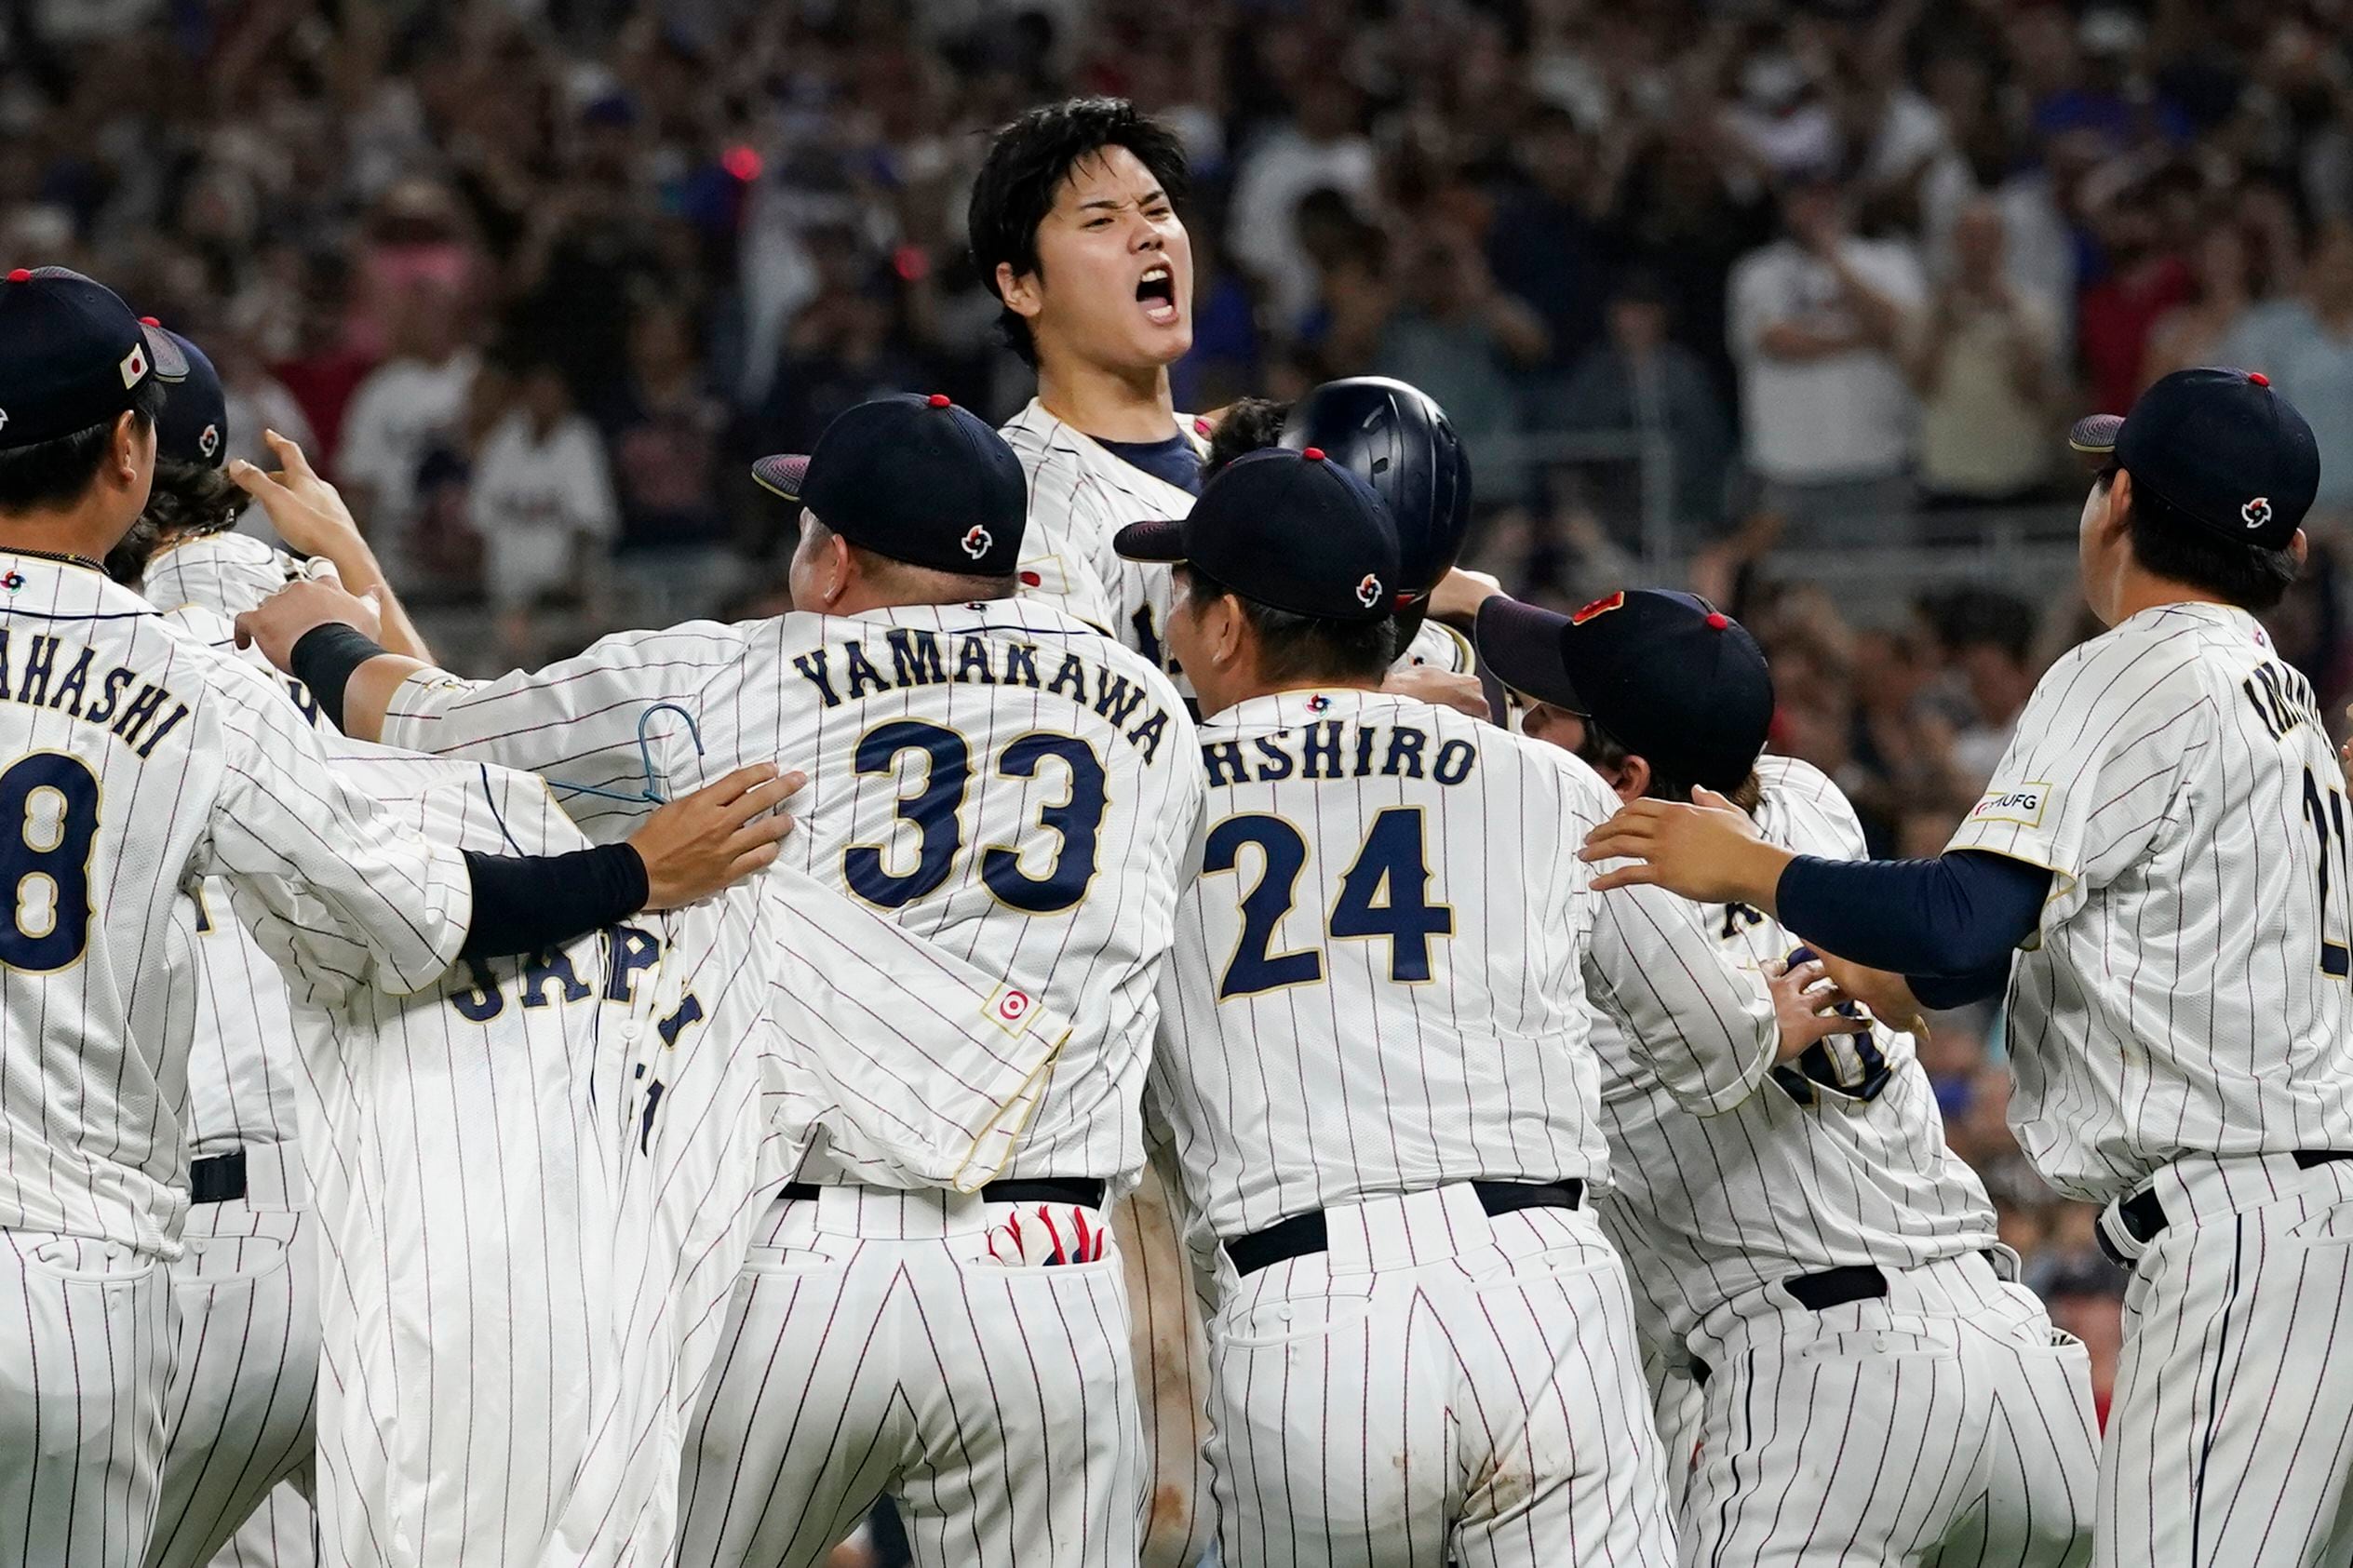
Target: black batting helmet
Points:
(1398, 440)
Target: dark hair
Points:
(2179, 549)
(190, 499)
(1027, 164)
(1602, 749)
(1248, 426)
(1984, 618)
(49, 475)
(1304, 647)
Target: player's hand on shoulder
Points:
(716, 837)
(1708, 850)
(1446, 688)
(1806, 1002)
(278, 623)
(308, 513)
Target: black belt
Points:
(1302, 1234)
(2144, 1218)
(218, 1180)
(1086, 1192)
(1820, 1291)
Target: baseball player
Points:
(539, 1179)
(1015, 788)
(2161, 845)
(1374, 1063)
(1815, 1248)
(238, 1412)
(142, 759)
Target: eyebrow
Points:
(1112, 204)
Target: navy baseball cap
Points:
(2220, 447)
(1673, 679)
(917, 479)
(1292, 531)
(1396, 438)
(72, 355)
(194, 426)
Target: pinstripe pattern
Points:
(872, 1347)
(1709, 1209)
(238, 1412)
(236, 787)
(1436, 1388)
(2176, 1002)
(2230, 1439)
(247, 1363)
(88, 1327)
(754, 700)
(1945, 1424)
(282, 1534)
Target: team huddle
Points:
(1150, 1019)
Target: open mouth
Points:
(1156, 291)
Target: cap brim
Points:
(782, 475)
(2094, 435)
(1522, 645)
(1160, 541)
(164, 355)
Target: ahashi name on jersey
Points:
(1331, 748)
(56, 675)
(845, 671)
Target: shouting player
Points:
(1815, 1248)
(142, 761)
(1373, 1060)
(2163, 850)
(1016, 788)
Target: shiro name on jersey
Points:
(37, 682)
(918, 657)
(1331, 748)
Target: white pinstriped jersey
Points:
(2188, 990)
(544, 1174)
(1440, 647)
(1839, 1159)
(1380, 975)
(142, 759)
(998, 778)
(241, 1071)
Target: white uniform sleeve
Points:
(573, 722)
(2089, 780)
(1705, 1030)
(906, 1054)
(316, 867)
(1438, 645)
(1066, 551)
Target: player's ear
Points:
(1634, 778)
(134, 443)
(1019, 291)
(2119, 503)
(2298, 548)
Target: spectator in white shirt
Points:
(1816, 321)
(414, 399)
(1320, 150)
(1983, 366)
(543, 505)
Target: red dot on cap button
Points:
(20, 275)
(1717, 620)
(939, 400)
(1314, 454)
(149, 321)
(2258, 378)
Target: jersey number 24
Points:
(1385, 892)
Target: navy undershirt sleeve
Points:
(1958, 915)
(528, 903)
(1940, 993)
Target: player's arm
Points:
(368, 900)
(310, 515)
(577, 720)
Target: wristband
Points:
(323, 660)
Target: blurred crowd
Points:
(533, 279)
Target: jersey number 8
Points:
(937, 809)
(49, 817)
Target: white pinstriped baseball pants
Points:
(86, 1348)
(1945, 1423)
(1439, 1386)
(872, 1347)
(245, 1379)
(2230, 1439)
